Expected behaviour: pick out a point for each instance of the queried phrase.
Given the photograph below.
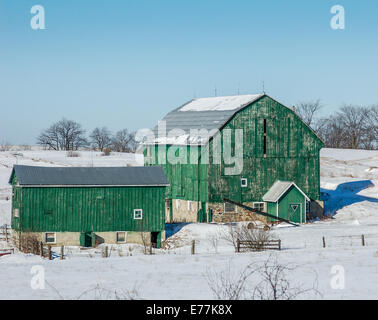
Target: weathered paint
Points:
(291, 154)
(88, 209)
(283, 207)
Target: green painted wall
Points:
(292, 196)
(84, 209)
(292, 154)
(188, 179)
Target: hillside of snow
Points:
(349, 186)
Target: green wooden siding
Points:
(292, 154)
(188, 181)
(292, 197)
(86, 209)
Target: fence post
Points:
(363, 240)
(61, 252)
(106, 251)
(150, 248)
(237, 245)
(324, 243)
(50, 253)
(41, 249)
(193, 246)
(279, 244)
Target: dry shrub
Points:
(248, 234)
(29, 243)
(106, 152)
(72, 154)
(269, 280)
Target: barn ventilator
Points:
(260, 212)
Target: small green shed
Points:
(89, 205)
(286, 200)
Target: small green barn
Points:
(89, 205)
(285, 200)
(191, 143)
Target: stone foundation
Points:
(240, 214)
(183, 213)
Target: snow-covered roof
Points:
(205, 115)
(219, 103)
(278, 189)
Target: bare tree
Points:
(63, 135)
(123, 141)
(101, 138)
(308, 110)
(5, 146)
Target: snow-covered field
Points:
(349, 182)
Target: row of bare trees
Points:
(70, 135)
(352, 127)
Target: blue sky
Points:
(120, 63)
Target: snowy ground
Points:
(349, 182)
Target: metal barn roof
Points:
(89, 176)
(204, 113)
(278, 189)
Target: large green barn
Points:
(88, 206)
(195, 144)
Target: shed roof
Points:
(203, 113)
(89, 176)
(278, 190)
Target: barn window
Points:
(244, 182)
(229, 207)
(138, 214)
(121, 236)
(16, 212)
(258, 206)
(50, 237)
(264, 137)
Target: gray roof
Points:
(278, 189)
(204, 113)
(89, 176)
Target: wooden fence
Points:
(250, 245)
(5, 233)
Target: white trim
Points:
(125, 232)
(141, 213)
(259, 202)
(54, 238)
(246, 182)
(283, 192)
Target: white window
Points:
(244, 182)
(190, 205)
(178, 204)
(138, 214)
(121, 236)
(16, 212)
(50, 237)
(229, 207)
(258, 206)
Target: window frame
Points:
(141, 216)
(117, 232)
(259, 203)
(224, 208)
(48, 242)
(246, 182)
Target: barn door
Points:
(295, 212)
